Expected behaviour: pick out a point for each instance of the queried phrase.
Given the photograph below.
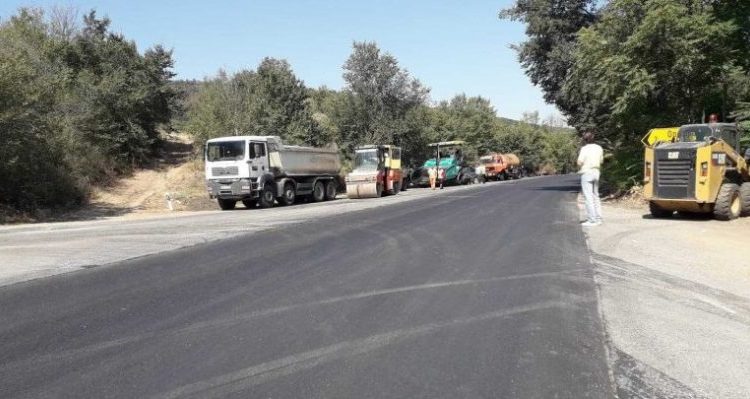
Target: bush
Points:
(77, 106)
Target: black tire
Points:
(659, 212)
(226, 204)
(745, 199)
(319, 192)
(289, 195)
(250, 203)
(266, 197)
(331, 190)
(728, 205)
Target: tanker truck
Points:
(259, 170)
(499, 166)
(377, 170)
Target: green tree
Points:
(551, 27)
(377, 98)
(268, 101)
(77, 104)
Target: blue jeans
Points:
(590, 189)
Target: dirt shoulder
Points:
(175, 173)
(675, 296)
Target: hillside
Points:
(176, 172)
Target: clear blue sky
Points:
(451, 46)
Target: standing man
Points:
(589, 164)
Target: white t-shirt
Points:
(590, 158)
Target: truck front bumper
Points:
(232, 189)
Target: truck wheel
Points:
(745, 199)
(289, 194)
(728, 205)
(250, 203)
(659, 212)
(330, 190)
(266, 197)
(319, 192)
(226, 204)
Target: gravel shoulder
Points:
(675, 297)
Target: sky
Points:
(452, 47)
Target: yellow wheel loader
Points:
(698, 169)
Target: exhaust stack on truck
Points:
(262, 169)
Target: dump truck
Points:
(698, 170)
(501, 166)
(377, 171)
(451, 169)
(261, 170)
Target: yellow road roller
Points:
(377, 171)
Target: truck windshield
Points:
(225, 151)
(367, 159)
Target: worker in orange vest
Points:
(433, 176)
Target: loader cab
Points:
(710, 132)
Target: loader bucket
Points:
(362, 190)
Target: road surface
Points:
(482, 293)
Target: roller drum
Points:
(362, 190)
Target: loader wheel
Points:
(226, 204)
(249, 203)
(319, 192)
(659, 212)
(728, 205)
(266, 197)
(289, 194)
(745, 199)
(330, 190)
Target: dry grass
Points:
(177, 172)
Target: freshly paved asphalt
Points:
(485, 293)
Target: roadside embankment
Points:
(675, 296)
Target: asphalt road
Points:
(486, 293)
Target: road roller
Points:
(377, 172)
